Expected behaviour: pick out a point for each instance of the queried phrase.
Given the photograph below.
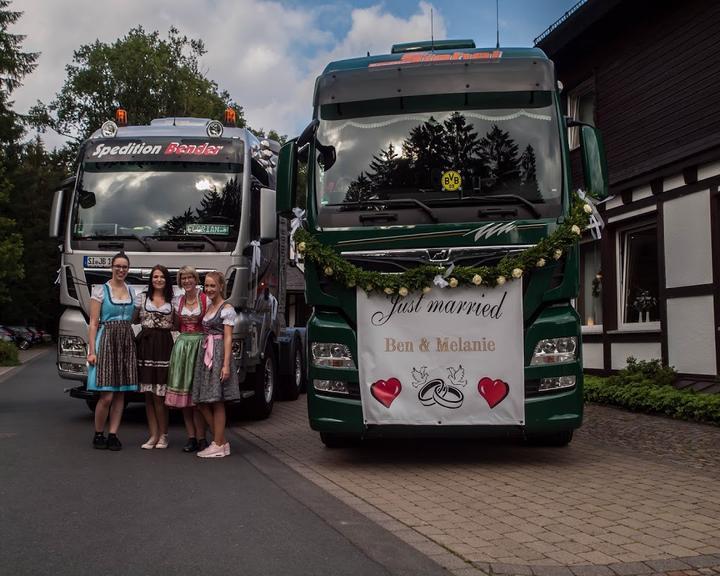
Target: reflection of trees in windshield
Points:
(215, 208)
(488, 165)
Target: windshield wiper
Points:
(500, 199)
(395, 201)
(140, 239)
(180, 238)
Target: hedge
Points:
(646, 387)
(8, 354)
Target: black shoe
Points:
(191, 445)
(202, 444)
(113, 443)
(99, 441)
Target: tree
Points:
(14, 66)
(498, 157)
(149, 76)
(460, 146)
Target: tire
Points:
(293, 384)
(264, 384)
(556, 439)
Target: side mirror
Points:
(56, 213)
(86, 199)
(593, 160)
(287, 179)
(268, 215)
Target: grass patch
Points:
(646, 386)
(8, 354)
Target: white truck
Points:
(181, 191)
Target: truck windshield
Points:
(443, 151)
(157, 199)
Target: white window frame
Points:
(573, 109)
(586, 328)
(622, 274)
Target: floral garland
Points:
(423, 277)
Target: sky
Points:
(265, 53)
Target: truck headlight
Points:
(555, 351)
(334, 386)
(332, 355)
(556, 383)
(72, 346)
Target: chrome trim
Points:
(436, 255)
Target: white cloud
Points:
(264, 53)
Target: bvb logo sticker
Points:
(451, 181)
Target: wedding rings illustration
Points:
(437, 392)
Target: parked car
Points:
(23, 338)
(40, 336)
(6, 335)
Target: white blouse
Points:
(227, 313)
(140, 301)
(186, 311)
(98, 294)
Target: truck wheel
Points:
(556, 439)
(294, 383)
(265, 379)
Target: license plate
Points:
(97, 261)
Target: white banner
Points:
(449, 357)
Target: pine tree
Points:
(498, 157)
(460, 146)
(425, 149)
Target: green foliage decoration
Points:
(646, 386)
(511, 267)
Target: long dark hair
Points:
(168, 290)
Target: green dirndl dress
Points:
(184, 353)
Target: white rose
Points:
(328, 271)
(576, 229)
(587, 208)
(477, 279)
(453, 282)
(369, 288)
(403, 291)
(388, 290)
(557, 254)
(540, 263)
(517, 273)
(500, 280)
(301, 247)
(427, 289)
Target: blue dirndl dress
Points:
(115, 369)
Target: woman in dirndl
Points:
(154, 345)
(112, 363)
(216, 379)
(189, 310)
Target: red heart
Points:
(385, 391)
(494, 391)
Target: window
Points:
(589, 303)
(581, 106)
(639, 285)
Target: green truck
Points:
(439, 241)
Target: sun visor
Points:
(391, 79)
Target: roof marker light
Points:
(121, 117)
(214, 129)
(230, 118)
(109, 129)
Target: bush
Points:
(8, 354)
(634, 389)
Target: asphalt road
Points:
(68, 509)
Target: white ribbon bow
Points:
(596, 223)
(256, 256)
(440, 281)
(296, 223)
